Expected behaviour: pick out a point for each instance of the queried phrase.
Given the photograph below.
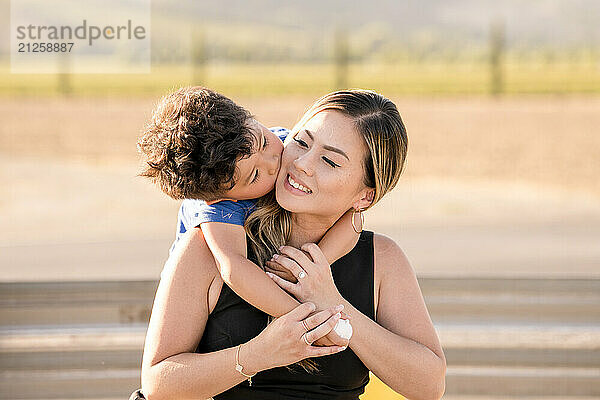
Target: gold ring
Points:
(305, 326)
(306, 340)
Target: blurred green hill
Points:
(269, 47)
(384, 29)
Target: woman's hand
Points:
(289, 338)
(312, 273)
(281, 271)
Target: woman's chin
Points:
(291, 202)
(285, 200)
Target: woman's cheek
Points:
(329, 183)
(342, 185)
(288, 154)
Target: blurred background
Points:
(498, 210)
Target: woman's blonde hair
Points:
(378, 121)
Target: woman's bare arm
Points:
(170, 368)
(402, 348)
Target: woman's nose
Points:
(303, 164)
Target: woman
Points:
(203, 340)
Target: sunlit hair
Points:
(379, 123)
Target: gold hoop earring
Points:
(362, 220)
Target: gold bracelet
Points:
(239, 368)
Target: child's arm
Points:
(227, 243)
(340, 238)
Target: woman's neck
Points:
(309, 228)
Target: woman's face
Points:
(322, 167)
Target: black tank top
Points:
(340, 376)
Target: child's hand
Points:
(332, 338)
(280, 271)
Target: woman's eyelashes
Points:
(328, 161)
(302, 143)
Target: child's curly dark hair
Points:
(192, 143)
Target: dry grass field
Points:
(72, 162)
(280, 79)
(547, 141)
(69, 165)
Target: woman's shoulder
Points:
(185, 259)
(384, 243)
(389, 256)
(392, 270)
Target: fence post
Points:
(340, 58)
(198, 57)
(497, 47)
(64, 76)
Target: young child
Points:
(202, 147)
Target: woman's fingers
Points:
(315, 252)
(325, 341)
(331, 338)
(272, 265)
(288, 263)
(289, 342)
(301, 312)
(295, 254)
(280, 271)
(315, 351)
(282, 283)
(323, 329)
(315, 320)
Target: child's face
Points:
(255, 175)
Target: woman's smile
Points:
(294, 186)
